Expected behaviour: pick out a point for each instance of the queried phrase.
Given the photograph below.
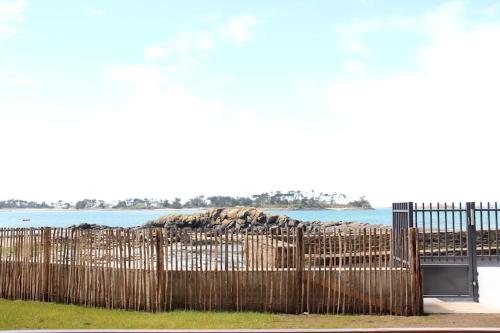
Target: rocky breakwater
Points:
(247, 219)
(224, 218)
(90, 226)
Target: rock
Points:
(260, 217)
(282, 220)
(89, 226)
(232, 214)
(229, 225)
(242, 214)
(244, 218)
(272, 219)
(304, 224)
(241, 222)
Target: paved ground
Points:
(435, 305)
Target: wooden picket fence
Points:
(285, 270)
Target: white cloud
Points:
(12, 10)
(186, 44)
(355, 46)
(211, 17)
(94, 12)
(354, 66)
(444, 20)
(224, 78)
(239, 29)
(11, 15)
(188, 48)
(350, 35)
(167, 140)
(10, 79)
(155, 52)
(204, 41)
(432, 133)
(7, 31)
(140, 75)
(308, 89)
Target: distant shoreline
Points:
(312, 209)
(176, 209)
(96, 209)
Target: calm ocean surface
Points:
(129, 218)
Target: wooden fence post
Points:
(160, 270)
(46, 262)
(300, 268)
(417, 306)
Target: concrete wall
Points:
(489, 285)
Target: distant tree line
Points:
(13, 203)
(290, 199)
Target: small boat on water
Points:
(26, 220)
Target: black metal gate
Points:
(449, 244)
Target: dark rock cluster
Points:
(89, 226)
(246, 219)
(224, 218)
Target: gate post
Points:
(402, 220)
(471, 249)
(410, 215)
(409, 225)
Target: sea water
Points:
(129, 218)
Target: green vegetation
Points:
(14, 203)
(37, 315)
(90, 203)
(278, 199)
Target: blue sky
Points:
(111, 99)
